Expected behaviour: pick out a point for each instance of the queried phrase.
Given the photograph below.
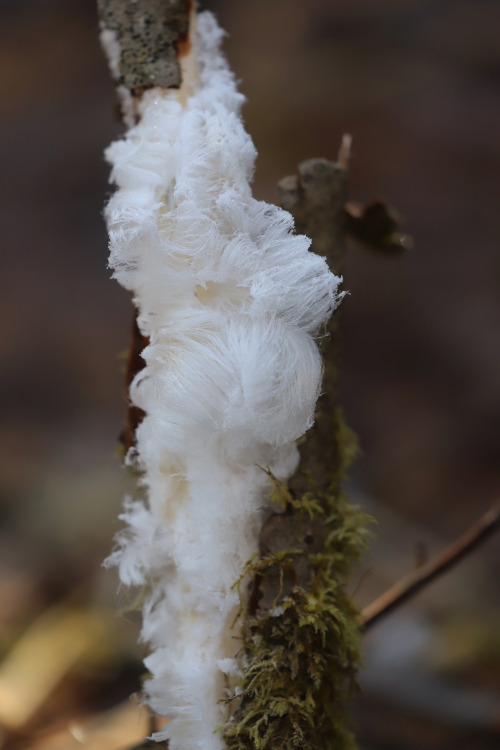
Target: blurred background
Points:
(416, 83)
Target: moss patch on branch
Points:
(301, 637)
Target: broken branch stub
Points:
(316, 197)
(151, 35)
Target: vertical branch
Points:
(316, 197)
(301, 635)
(425, 574)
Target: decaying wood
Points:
(151, 34)
(316, 198)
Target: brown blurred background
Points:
(416, 83)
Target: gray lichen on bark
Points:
(151, 35)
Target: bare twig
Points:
(344, 151)
(411, 584)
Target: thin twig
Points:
(411, 584)
(344, 154)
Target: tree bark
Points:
(316, 197)
(151, 34)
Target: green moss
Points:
(301, 637)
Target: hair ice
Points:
(230, 300)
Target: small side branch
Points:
(417, 580)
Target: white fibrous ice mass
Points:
(231, 301)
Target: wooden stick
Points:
(411, 584)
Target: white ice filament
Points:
(231, 301)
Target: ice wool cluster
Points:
(231, 301)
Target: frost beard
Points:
(230, 300)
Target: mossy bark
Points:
(301, 637)
(152, 35)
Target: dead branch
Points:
(414, 582)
